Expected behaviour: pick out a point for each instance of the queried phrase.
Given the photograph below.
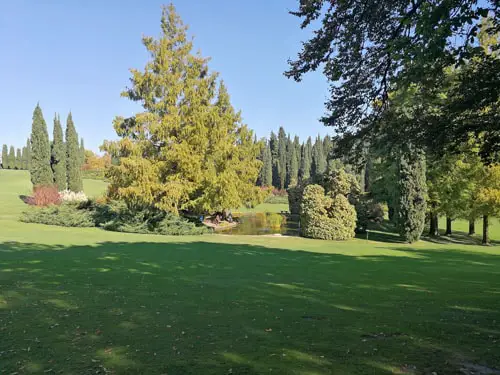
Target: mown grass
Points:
(86, 301)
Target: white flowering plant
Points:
(71, 196)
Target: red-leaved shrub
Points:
(44, 195)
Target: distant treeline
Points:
(16, 159)
(285, 161)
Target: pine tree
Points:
(188, 149)
(28, 154)
(282, 141)
(19, 159)
(12, 158)
(73, 157)
(5, 157)
(274, 146)
(40, 171)
(58, 157)
(411, 193)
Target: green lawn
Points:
(86, 301)
(265, 207)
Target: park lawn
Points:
(87, 301)
(265, 207)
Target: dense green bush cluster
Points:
(64, 215)
(119, 218)
(295, 198)
(276, 199)
(326, 217)
(114, 217)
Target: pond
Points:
(263, 223)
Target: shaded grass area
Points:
(214, 308)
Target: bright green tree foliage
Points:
(82, 152)
(19, 159)
(330, 216)
(188, 149)
(58, 157)
(411, 193)
(40, 171)
(5, 157)
(298, 149)
(24, 160)
(73, 157)
(488, 197)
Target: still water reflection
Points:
(262, 223)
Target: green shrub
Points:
(65, 215)
(368, 211)
(119, 218)
(326, 217)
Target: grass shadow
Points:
(215, 308)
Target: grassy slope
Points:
(81, 301)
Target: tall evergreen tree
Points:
(411, 193)
(318, 160)
(298, 149)
(188, 149)
(306, 160)
(28, 154)
(267, 166)
(289, 155)
(294, 168)
(40, 171)
(82, 152)
(19, 159)
(12, 158)
(327, 147)
(5, 157)
(274, 146)
(282, 141)
(24, 160)
(73, 157)
(58, 157)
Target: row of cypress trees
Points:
(286, 161)
(20, 159)
(58, 163)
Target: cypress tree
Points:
(327, 147)
(294, 168)
(267, 166)
(11, 160)
(298, 149)
(40, 171)
(24, 160)
(273, 144)
(318, 160)
(73, 157)
(28, 154)
(19, 159)
(411, 192)
(289, 155)
(306, 160)
(58, 157)
(5, 157)
(82, 152)
(282, 141)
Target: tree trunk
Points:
(448, 226)
(472, 227)
(434, 226)
(486, 239)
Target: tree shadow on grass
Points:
(212, 308)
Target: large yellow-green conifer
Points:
(188, 149)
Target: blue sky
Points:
(75, 55)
